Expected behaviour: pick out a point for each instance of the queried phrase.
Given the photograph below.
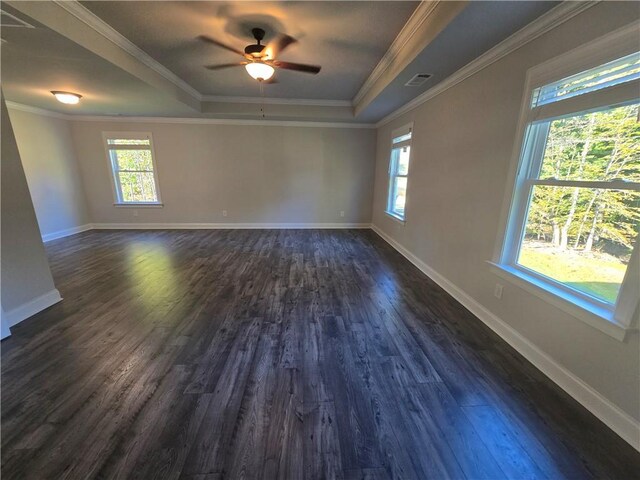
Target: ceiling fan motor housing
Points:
(256, 49)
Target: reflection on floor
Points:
(294, 354)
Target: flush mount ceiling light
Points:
(260, 71)
(67, 97)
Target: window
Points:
(574, 222)
(399, 171)
(612, 73)
(134, 175)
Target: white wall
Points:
(461, 154)
(27, 285)
(259, 174)
(49, 162)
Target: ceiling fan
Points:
(260, 61)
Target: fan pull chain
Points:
(262, 99)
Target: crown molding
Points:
(417, 18)
(550, 20)
(178, 120)
(218, 121)
(37, 111)
(100, 26)
(278, 101)
(22, 23)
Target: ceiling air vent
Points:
(418, 80)
(9, 20)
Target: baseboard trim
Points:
(224, 226)
(610, 414)
(26, 310)
(65, 233)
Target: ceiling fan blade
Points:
(277, 45)
(298, 67)
(224, 65)
(204, 38)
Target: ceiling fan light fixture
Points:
(67, 97)
(259, 70)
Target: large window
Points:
(575, 215)
(399, 172)
(132, 165)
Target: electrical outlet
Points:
(342, 213)
(224, 213)
(497, 292)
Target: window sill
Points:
(396, 217)
(592, 314)
(141, 204)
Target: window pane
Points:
(403, 160)
(594, 146)
(399, 194)
(128, 141)
(613, 73)
(402, 138)
(133, 159)
(138, 187)
(581, 237)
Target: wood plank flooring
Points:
(276, 354)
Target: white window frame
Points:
(614, 320)
(118, 200)
(393, 171)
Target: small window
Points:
(399, 172)
(575, 213)
(619, 71)
(132, 165)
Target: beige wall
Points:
(462, 149)
(25, 269)
(49, 162)
(259, 174)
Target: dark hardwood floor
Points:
(292, 354)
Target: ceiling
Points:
(480, 26)
(346, 38)
(38, 60)
(142, 58)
